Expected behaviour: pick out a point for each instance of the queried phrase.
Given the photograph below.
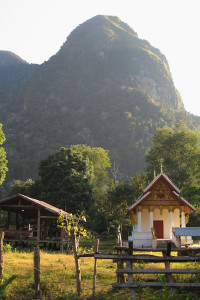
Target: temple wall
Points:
(145, 220)
(157, 215)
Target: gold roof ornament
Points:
(161, 166)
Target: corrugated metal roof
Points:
(49, 207)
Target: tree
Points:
(71, 179)
(23, 187)
(3, 160)
(118, 200)
(71, 225)
(100, 163)
(65, 180)
(179, 151)
(192, 194)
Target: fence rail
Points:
(131, 270)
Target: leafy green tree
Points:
(192, 194)
(117, 201)
(23, 187)
(100, 163)
(71, 179)
(3, 160)
(65, 180)
(179, 151)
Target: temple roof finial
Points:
(161, 166)
(154, 174)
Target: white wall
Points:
(165, 216)
(145, 220)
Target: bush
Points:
(7, 248)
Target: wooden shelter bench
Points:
(18, 233)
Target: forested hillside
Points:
(105, 88)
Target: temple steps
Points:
(162, 243)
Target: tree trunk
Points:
(78, 271)
(95, 269)
(1, 256)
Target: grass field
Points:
(58, 280)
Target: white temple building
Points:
(156, 212)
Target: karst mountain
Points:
(105, 87)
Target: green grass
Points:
(58, 278)
(104, 246)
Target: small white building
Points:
(156, 212)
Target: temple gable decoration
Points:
(158, 210)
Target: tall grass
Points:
(58, 280)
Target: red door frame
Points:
(159, 228)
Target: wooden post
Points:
(45, 228)
(37, 271)
(1, 256)
(130, 280)
(23, 220)
(38, 228)
(95, 268)
(120, 265)
(130, 247)
(8, 219)
(61, 239)
(78, 271)
(169, 247)
(17, 221)
(167, 263)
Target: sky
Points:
(36, 29)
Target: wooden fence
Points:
(131, 269)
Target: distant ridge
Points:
(8, 58)
(105, 87)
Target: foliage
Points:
(192, 194)
(65, 180)
(7, 248)
(116, 203)
(71, 225)
(4, 285)
(165, 293)
(23, 187)
(100, 163)
(3, 160)
(179, 151)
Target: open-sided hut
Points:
(30, 220)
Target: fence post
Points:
(130, 247)
(169, 247)
(37, 271)
(130, 280)
(95, 268)
(167, 263)
(1, 256)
